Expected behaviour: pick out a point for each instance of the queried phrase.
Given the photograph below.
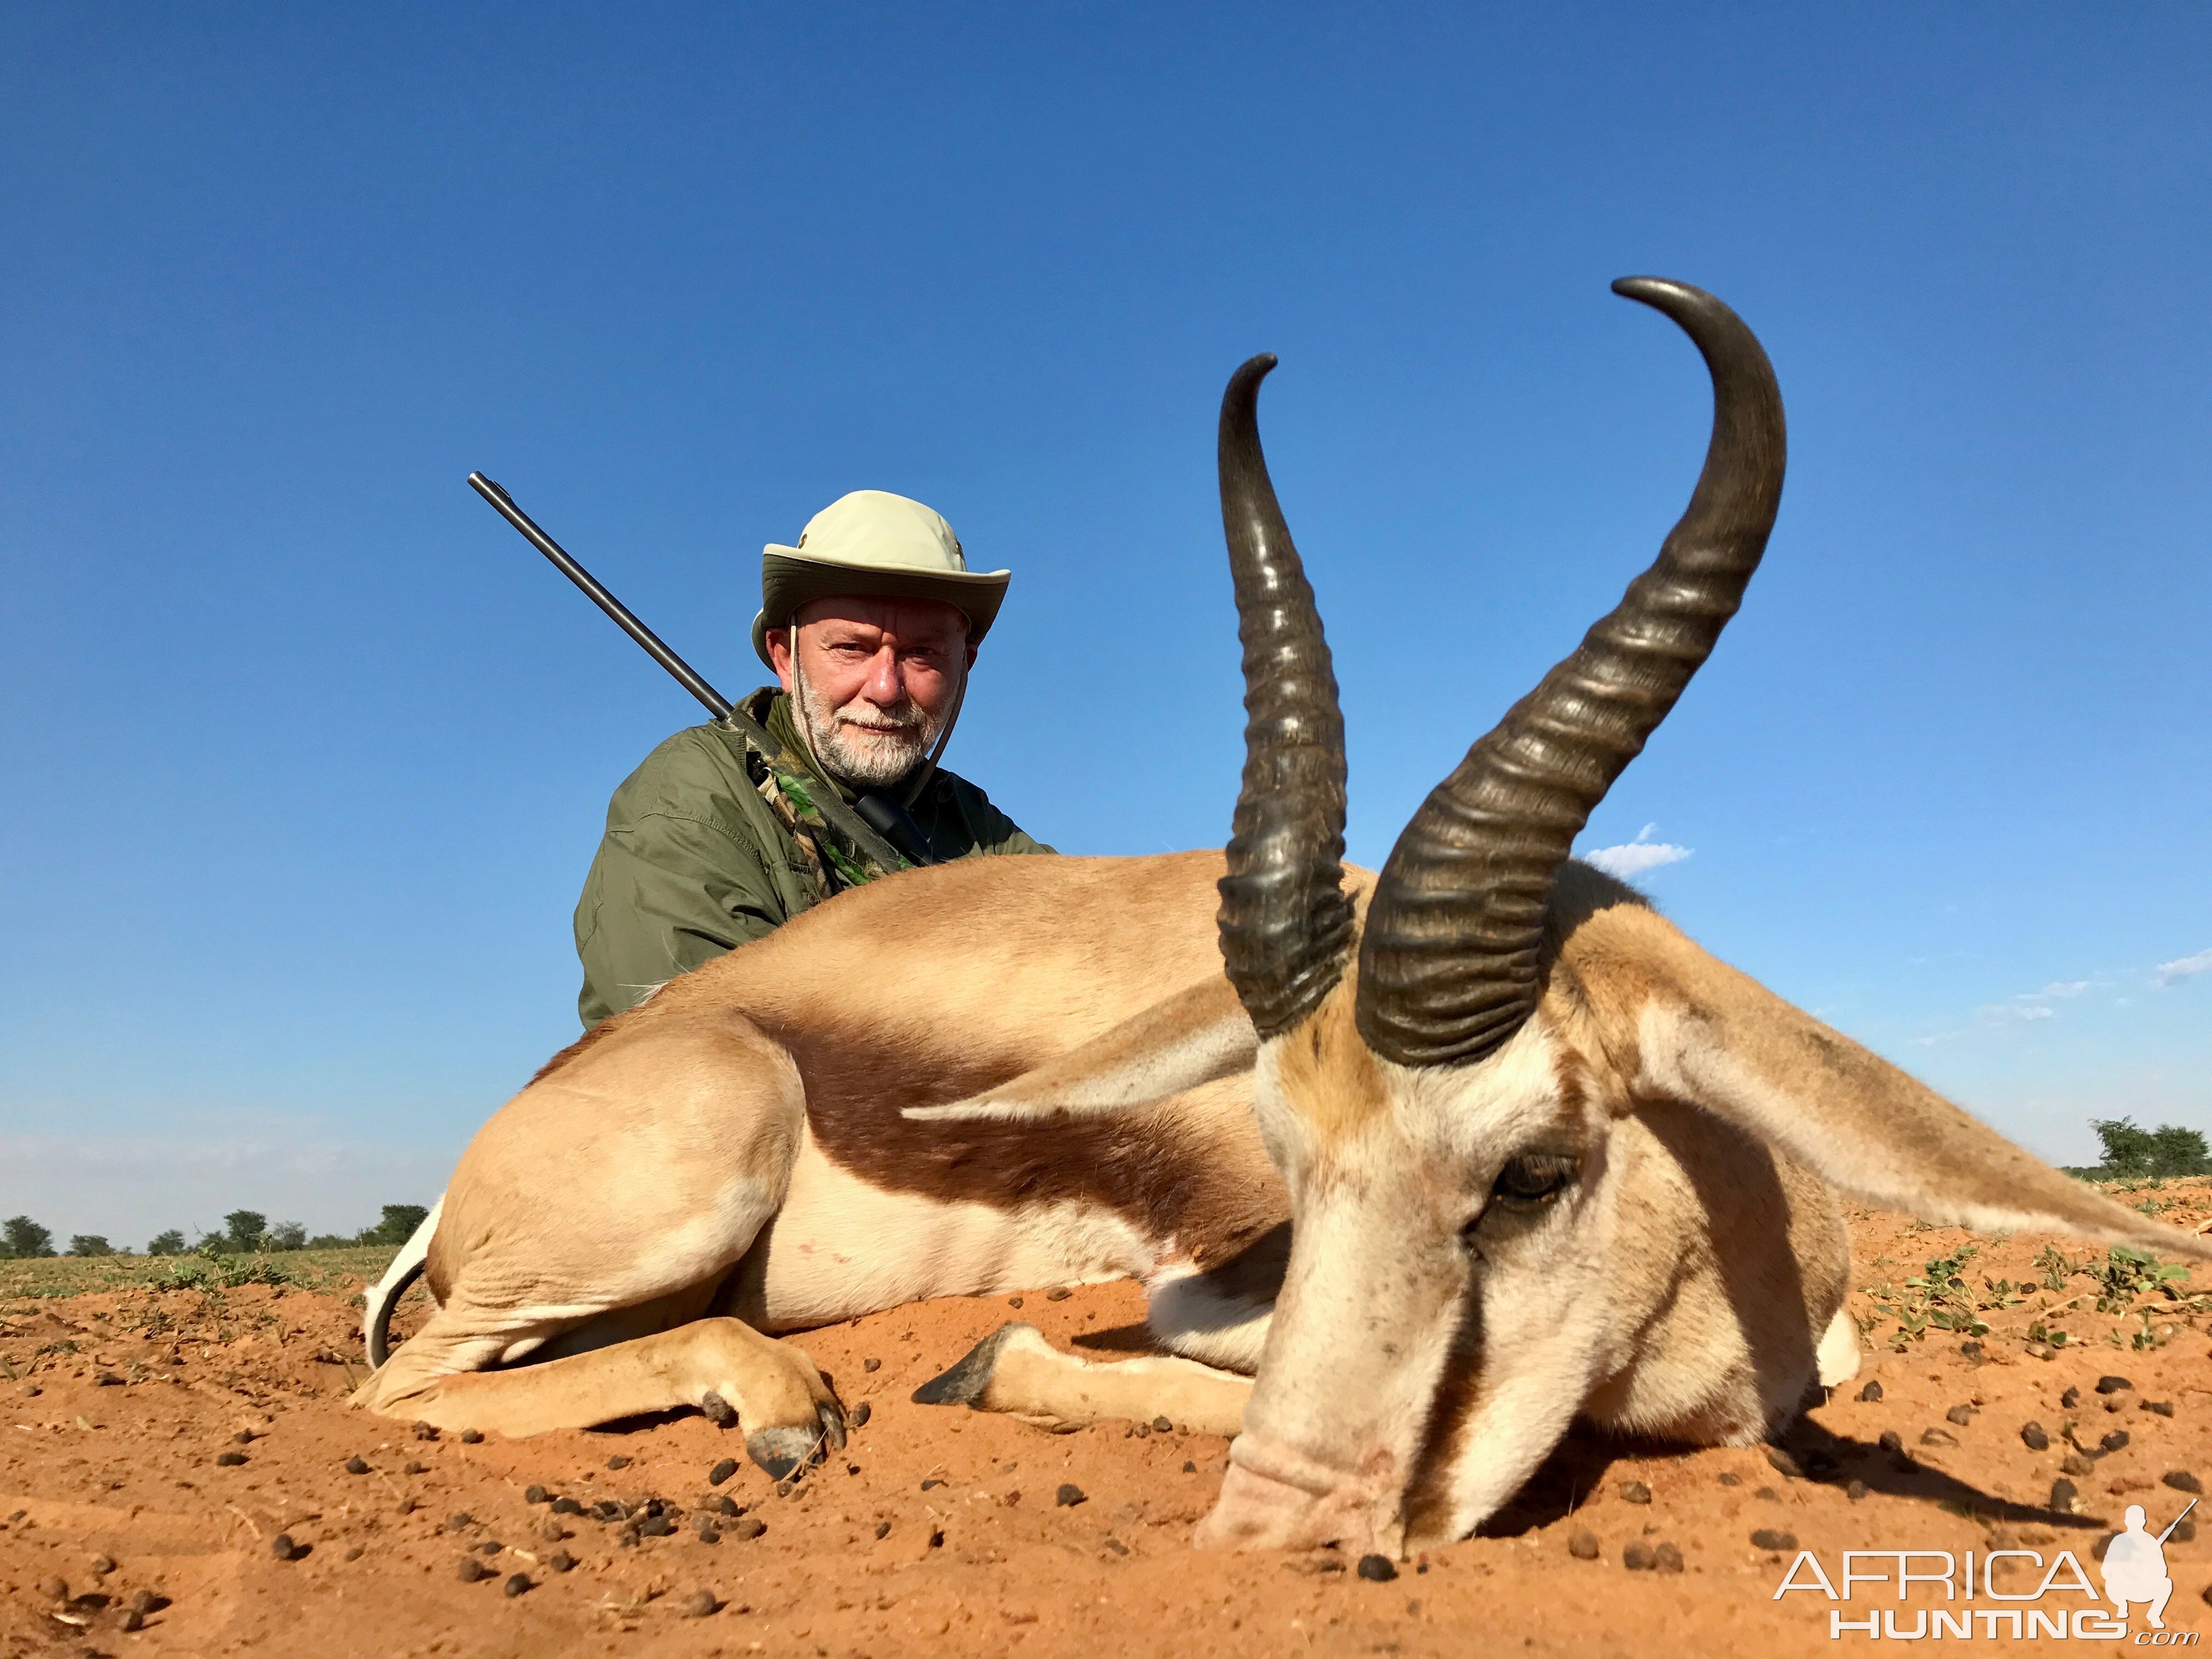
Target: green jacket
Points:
(695, 861)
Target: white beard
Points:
(862, 744)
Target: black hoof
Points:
(965, 1383)
(833, 1426)
(780, 1451)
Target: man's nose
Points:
(885, 686)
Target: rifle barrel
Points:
(686, 676)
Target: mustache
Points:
(870, 717)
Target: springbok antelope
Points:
(1450, 1157)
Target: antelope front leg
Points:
(717, 1364)
(1015, 1369)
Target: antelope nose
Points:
(1275, 1499)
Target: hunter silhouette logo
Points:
(2133, 1571)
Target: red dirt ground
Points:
(937, 1532)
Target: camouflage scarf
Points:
(789, 783)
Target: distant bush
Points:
(2132, 1152)
(25, 1237)
(169, 1244)
(243, 1232)
(288, 1236)
(90, 1244)
(398, 1226)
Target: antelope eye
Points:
(1533, 1179)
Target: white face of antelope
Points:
(1432, 1321)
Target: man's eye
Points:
(1535, 1178)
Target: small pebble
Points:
(1937, 1437)
(1583, 1544)
(1639, 1557)
(2112, 1384)
(425, 1432)
(355, 1553)
(491, 1547)
(659, 1526)
(561, 1561)
(1871, 1393)
(871, 1365)
(1892, 1441)
(1962, 1415)
(1783, 1464)
(1972, 1352)
(2070, 1399)
(130, 1620)
(283, 1548)
(701, 1605)
(2077, 1463)
(1768, 1538)
(244, 1437)
(2040, 1351)
(107, 1380)
(2114, 1441)
(1189, 1468)
(883, 1528)
(228, 1459)
(1375, 1569)
(1161, 1425)
(2033, 1437)
(1013, 1302)
(146, 1602)
(932, 1483)
(535, 1495)
(2182, 1481)
(721, 1471)
(861, 1413)
(751, 1527)
(727, 1506)
(471, 1437)
(517, 1584)
(709, 1533)
(607, 1509)
(355, 1466)
(2159, 1407)
(1856, 1491)
(412, 1468)
(459, 1519)
(2063, 1494)
(617, 1461)
(552, 1532)
(1058, 1293)
(1768, 1495)
(1635, 1491)
(471, 1570)
(1731, 1480)
(567, 1506)
(1069, 1495)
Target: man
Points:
(870, 624)
(2134, 1567)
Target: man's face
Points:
(874, 681)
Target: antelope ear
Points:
(1711, 1035)
(1197, 1035)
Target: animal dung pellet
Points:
(283, 1548)
(1731, 1479)
(1783, 1464)
(1058, 1293)
(1118, 1547)
(2113, 1384)
(491, 1547)
(567, 1506)
(1667, 1559)
(230, 1460)
(1161, 1425)
(701, 1604)
(536, 1495)
(617, 1461)
(471, 1570)
(2033, 1437)
(882, 1530)
(1639, 1557)
(751, 1527)
(656, 1526)
(244, 1438)
(1770, 1538)
(2069, 1399)
(871, 1365)
(561, 1561)
(1013, 1302)
(2182, 1481)
(517, 1584)
(1582, 1544)
(1892, 1441)
(861, 1413)
(721, 1471)
(708, 1532)
(1635, 1491)
(102, 1565)
(471, 1437)
(459, 1519)
(2159, 1407)
(1871, 1394)
(1069, 1495)
(2114, 1441)
(355, 1466)
(1937, 1437)
(54, 1589)
(1856, 1491)
(1375, 1569)
(932, 1483)
(2063, 1494)
(1962, 1415)
(1189, 1468)
(2077, 1463)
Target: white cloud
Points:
(2010, 1013)
(2181, 968)
(2057, 987)
(1631, 859)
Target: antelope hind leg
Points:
(1015, 1370)
(717, 1365)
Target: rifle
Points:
(878, 828)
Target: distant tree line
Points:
(2135, 1153)
(245, 1232)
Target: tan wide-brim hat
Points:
(874, 545)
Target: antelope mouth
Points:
(1276, 1498)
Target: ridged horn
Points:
(1285, 923)
(1448, 961)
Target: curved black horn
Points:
(1285, 921)
(1448, 963)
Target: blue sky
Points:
(305, 753)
